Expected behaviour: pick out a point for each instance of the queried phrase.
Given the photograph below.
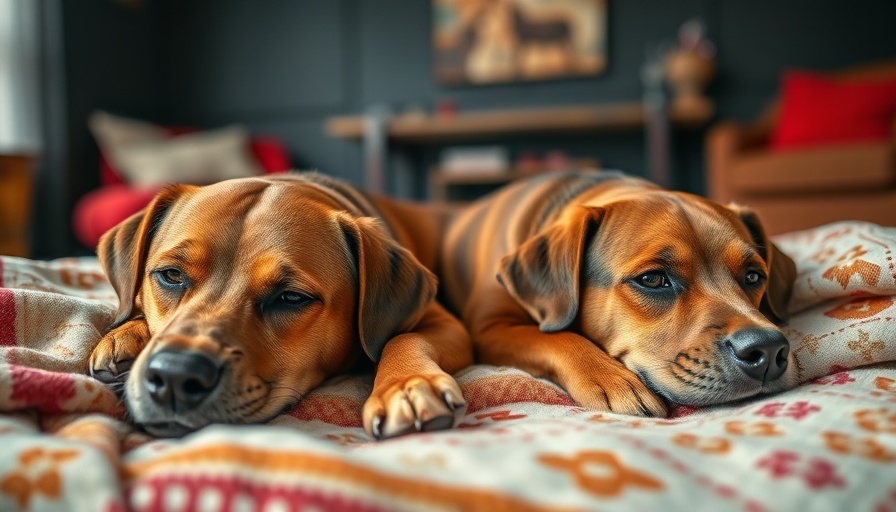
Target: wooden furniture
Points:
(496, 123)
(377, 130)
(441, 181)
(802, 188)
(16, 185)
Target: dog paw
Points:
(113, 356)
(619, 391)
(414, 404)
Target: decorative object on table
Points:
(475, 160)
(446, 107)
(414, 112)
(528, 162)
(488, 41)
(557, 161)
(690, 66)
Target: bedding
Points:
(523, 444)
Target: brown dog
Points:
(238, 298)
(613, 288)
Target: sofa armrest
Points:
(726, 141)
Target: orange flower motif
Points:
(82, 280)
(885, 384)
(37, 474)
(866, 346)
(859, 308)
(876, 420)
(757, 429)
(708, 445)
(601, 473)
(345, 439)
(857, 251)
(866, 447)
(867, 271)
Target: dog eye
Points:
(292, 298)
(170, 277)
(752, 278)
(654, 279)
(285, 302)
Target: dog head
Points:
(254, 291)
(684, 291)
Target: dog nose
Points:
(180, 379)
(760, 353)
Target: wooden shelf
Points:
(494, 123)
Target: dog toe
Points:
(114, 355)
(418, 404)
(618, 393)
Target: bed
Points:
(523, 444)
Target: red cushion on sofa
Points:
(817, 109)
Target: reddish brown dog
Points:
(238, 298)
(620, 291)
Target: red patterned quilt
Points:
(524, 444)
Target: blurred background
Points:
(784, 105)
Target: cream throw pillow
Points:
(147, 156)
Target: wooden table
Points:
(377, 130)
(16, 189)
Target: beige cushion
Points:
(113, 133)
(200, 158)
(147, 156)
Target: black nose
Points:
(180, 380)
(760, 353)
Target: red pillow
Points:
(817, 109)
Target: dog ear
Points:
(543, 274)
(394, 289)
(123, 249)
(782, 270)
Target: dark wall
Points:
(283, 66)
(110, 58)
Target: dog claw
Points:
(108, 377)
(449, 399)
(418, 425)
(376, 427)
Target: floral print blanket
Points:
(523, 445)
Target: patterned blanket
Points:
(523, 445)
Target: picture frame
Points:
(500, 41)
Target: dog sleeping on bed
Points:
(622, 292)
(237, 299)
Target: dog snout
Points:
(180, 380)
(759, 353)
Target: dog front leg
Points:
(504, 334)
(413, 389)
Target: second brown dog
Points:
(622, 292)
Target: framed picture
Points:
(491, 41)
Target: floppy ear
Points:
(782, 270)
(543, 274)
(122, 250)
(394, 289)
